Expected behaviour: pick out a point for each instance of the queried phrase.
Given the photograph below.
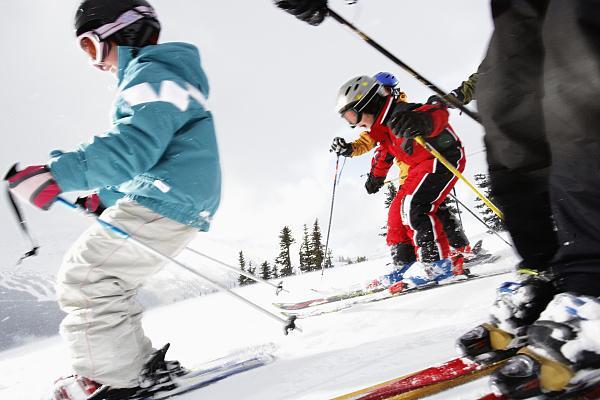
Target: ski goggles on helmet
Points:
(352, 113)
(352, 116)
(93, 43)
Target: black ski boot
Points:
(487, 344)
(156, 376)
(402, 254)
(517, 306)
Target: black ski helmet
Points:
(92, 14)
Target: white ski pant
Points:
(96, 287)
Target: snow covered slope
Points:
(337, 352)
(29, 311)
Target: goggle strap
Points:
(127, 18)
(362, 103)
(124, 20)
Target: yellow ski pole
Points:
(460, 176)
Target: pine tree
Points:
(283, 260)
(451, 206)
(360, 259)
(491, 219)
(304, 254)
(392, 191)
(390, 195)
(274, 272)
(265, 271)
(242, 280)
(316, 247)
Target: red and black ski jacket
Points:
(442, 137)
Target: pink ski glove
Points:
(34, 184)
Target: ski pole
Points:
(278, 287)
(335, 177)
(455, 102)
(289, 324)
(479, 219)
(460, 176)
(458, 208)
(22, 222)
(468, 209)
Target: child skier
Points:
(402, 254)
(160, 159)
(413, 227)
(536, 96)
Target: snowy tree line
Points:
(311, 256)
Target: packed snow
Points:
(336, 353)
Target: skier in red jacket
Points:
(413, 227)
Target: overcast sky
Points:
(273, 87)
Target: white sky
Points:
(273, 86)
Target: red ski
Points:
(425, 382)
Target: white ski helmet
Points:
(355, 95)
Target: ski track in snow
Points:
(337, 353)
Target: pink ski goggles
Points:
(92, 42)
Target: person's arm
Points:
(136, 142)
(109, 196)
(380, 165)
(463, 94)
(403, 167)
(466, 91)
(363, 144)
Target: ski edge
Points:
(421, 391)
(213, 376)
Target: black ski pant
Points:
(412, 216)
(452, 226)
(404, 253)
(538, 95)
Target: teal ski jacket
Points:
(162, 150)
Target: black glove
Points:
(408, 145)
(451, 98)
(341, 148)
(374, 183)
(310, 11)
(91, 203)
(434, 99)
(410, 124)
